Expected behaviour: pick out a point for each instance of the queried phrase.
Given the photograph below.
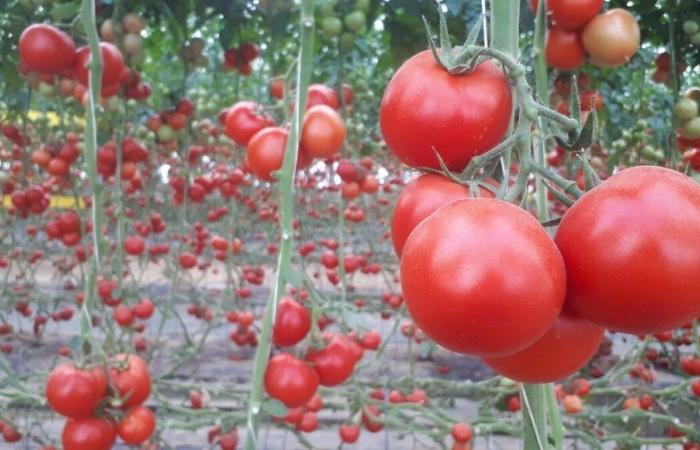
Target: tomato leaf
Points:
(64, 11)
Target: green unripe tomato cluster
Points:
(686, 111)
(692, 29)
(343, 25)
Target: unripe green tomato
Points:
(347, 41)
(691, 129)
(695, 39)
(690, 27)
(166, 133)
(648, 152)
(327, 9)
(355, 21)
(4, 177)
(626, 135)
(331, 26)
(362, 5)
(46, 90)
(685, 109)
(660, 156)
(113, 103)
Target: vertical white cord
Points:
(485, 24)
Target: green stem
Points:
(534, 409)
(286, 186)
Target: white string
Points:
(485, 24)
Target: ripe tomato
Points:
(290, 380)
(323, 132)
(136, 425)
(133, 383)
(424, 109)
(461, 432)
(134, 245)
(292, 322)
(58, 167)
(112, 64)
(244, 120)
(277, 88)
(265, 152)
(73, 392)
(46, 49)
(349, 433)
(419, 199)
(333, 363)
(370, 414)
(474, 269)
(566, 347)
(572, 14)
(89, 433)
(320, 94)
(643, 220)
(611, 39)
(564, 49)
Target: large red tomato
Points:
(632, 251)
(89, 433)
(481, 276)
(425, 109)
(564, 49)
(46, 49)
(244, 120)
(292, 322)
(334, 363)
(132, 381)
(571, 14)
(265, 152)
(112, 64)
(137, 425)
(419, 199)
(611, 39)
(566, 347)
(73, 392)
(290, 380)
(323, 132)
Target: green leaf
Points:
(274, 407)
(64, 11)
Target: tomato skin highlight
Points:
(562, 351)
(632, 251)
(564, 49)
(424, 108)
(474, 269)
(90, 433)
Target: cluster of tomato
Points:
(55, 157)
(345, 29)
(241, 58)
(577, 31)
(170, 124)
(102, 402)
(32, 200)
(662, 65)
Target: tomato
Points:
(46, 49)
(277, 88)
(320, 94)
(474, 269)
(73, 392)
(643, 220)
(187, 260)
(244, 120)
(572, 404)
(333, 363)
(133, 383)
(134, 245)
(89, 433)
(572, 14)
(349, 433)
(58, 167)
(423, 109)
(323, 132)
(136, 425)
(564, 49)
(292, 323)
(265, 152)
(461, 432)
(249, 51)
(290, 380)
(370, 414)
(566, 347)
(123, 316)
(112, 64)
(611, 39)
(419, 199)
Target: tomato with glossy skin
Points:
(564, 350)
(112, 64)
(334, 363)
(89, 433)
(133, 382)
(611, 39)
(564, 49)
(418, 200)
(265, 152)
(632, 251)
(570, 14)
(244, 120)
(137, 425)
(370, 414)
(46, 49)
(323, 132)
(423, 110)
(349, 434)
(134, 245)
(73, 392)
(290, 380)
(474, 269)
(461, 432)
(292, 322)
(320, 94)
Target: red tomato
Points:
(323, 132)
(474, 269)
(424, 109)
(349, 433)
(112, 64)
(265, 152)
(244, 120)
(144, 309)
(58, 167)
(292, 323)
(419, 199)
(89, 433)
(320, 94)
(461, 432)
(133, 382)
(136, 425)
(573, 14)
(611, 39)
(290, 380)
(333, 363)
(134, 245)
(73, 392)
(46, 49)
(566, 347)
(277, 88)
(370, 414)
(632, 252)
(564, 49)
